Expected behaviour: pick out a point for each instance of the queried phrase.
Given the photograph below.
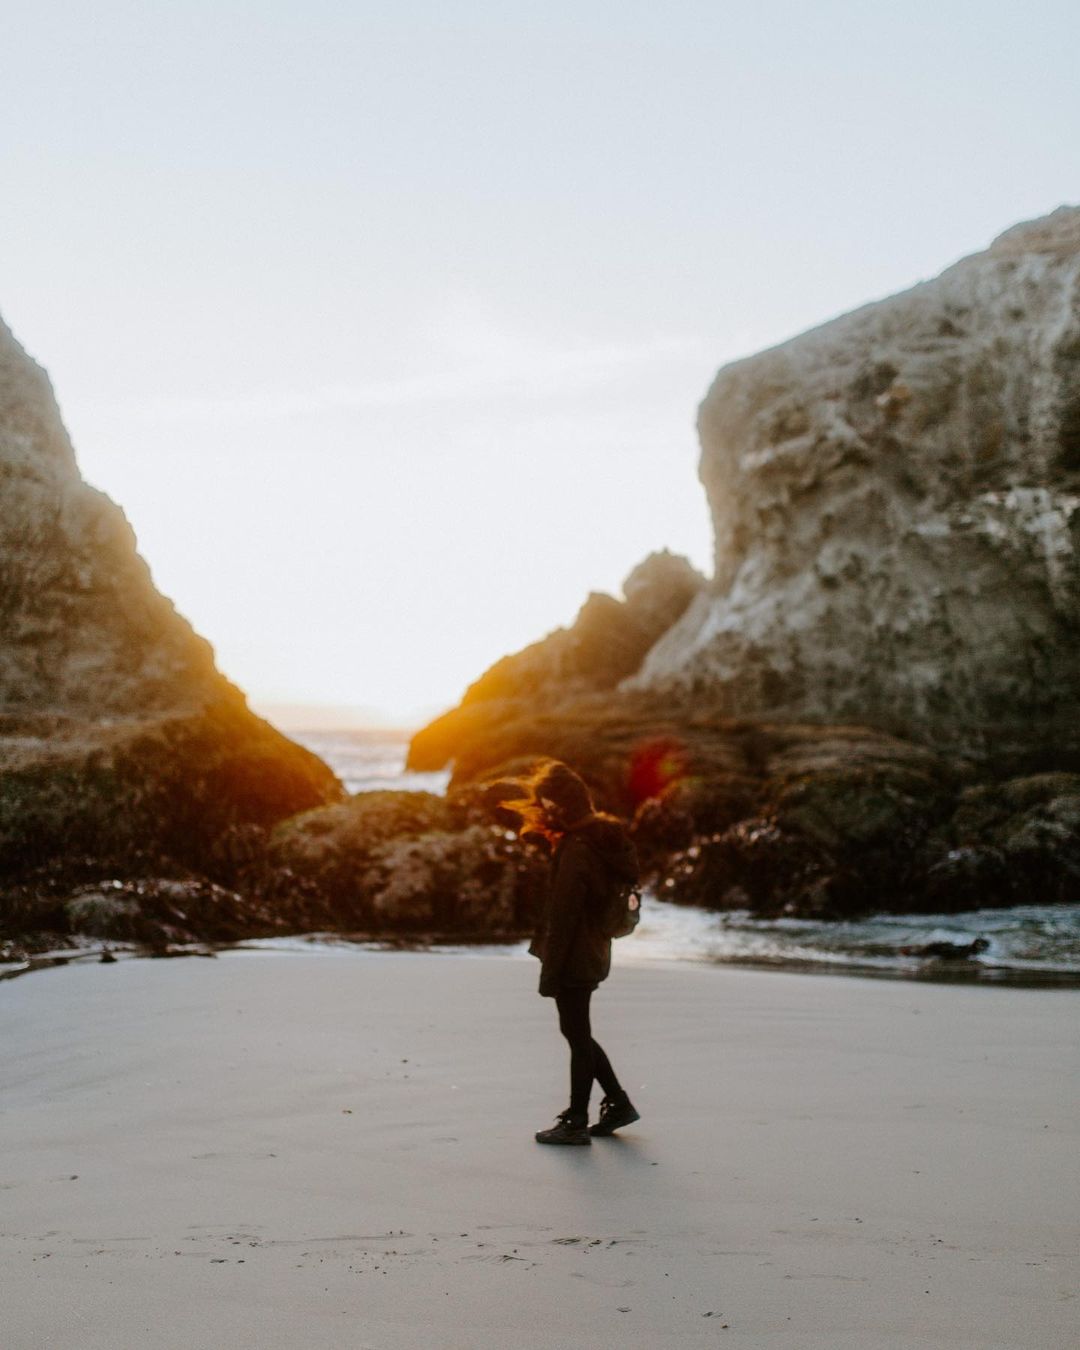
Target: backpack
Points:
(618, 914)
(615, 893)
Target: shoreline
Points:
(937, 972)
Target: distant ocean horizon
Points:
(1028, 944)
(370, 759)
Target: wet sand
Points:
(335, 1150)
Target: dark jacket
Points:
(588, 861)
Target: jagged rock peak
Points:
(85, 631)
(120, 741)
(606, 641)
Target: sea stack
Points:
(896, 504)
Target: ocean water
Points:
(1029, 944)
(370, 760)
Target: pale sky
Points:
(387, 324)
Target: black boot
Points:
(614, 1113)
(571, 1129)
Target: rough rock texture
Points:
(84, 630)
(119, 739)
(789, 818)
(407, 861)
(896, 501)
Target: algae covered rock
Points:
(1027, 830)
(328, 850)
(473, 881)
(161, 912)
(406, 861)
(690, 809)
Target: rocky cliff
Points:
(896, 502)
(120, 742)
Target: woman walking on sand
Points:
(591, 854)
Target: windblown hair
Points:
(533, 821)
(556, 782)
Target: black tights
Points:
(587, 1059)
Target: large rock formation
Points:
(896, 501)
(875, 703)
(120, 742)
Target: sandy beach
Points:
(335, 1150)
